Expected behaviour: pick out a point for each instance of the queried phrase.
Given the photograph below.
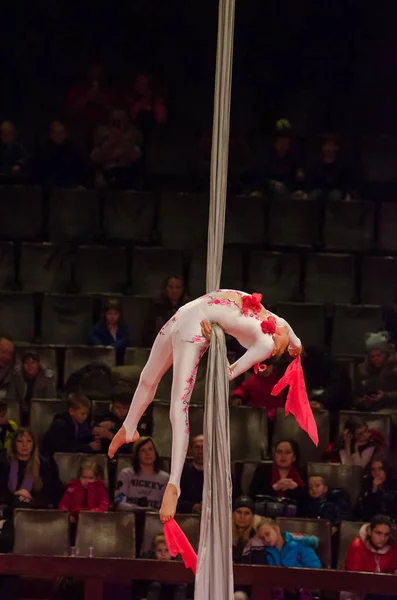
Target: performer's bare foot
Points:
(119, 439)
(168, 505)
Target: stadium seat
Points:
(13, 409)
(17, 316)
(329, 278)
(190, 525)
(307, 320)
(293, 223)
(42, 413)
(349, 225)
(41, 532)
(320, 528)
(128, 215)
(20, 212)
(350, 324)
(387, 229)
(379, 275)
(77, 357)
(136, 310)
(136, 356)
(349, 530)
(110, 534)
(100, 269)
(248, 433)
(243, 472)
(275, 275)
(288, 428)
(123, 461)
(382, 422)
(47, 355)
(184, 220)
(74, 215)
(346, 477)
(377, 162)
(150, 267)
(45, 268)
(162, 426)
(7, 266)
(69, 464)
(245, 220)
(232, 271)
(66, 319)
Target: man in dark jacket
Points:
(34, 380)
(192, 480)
(70, 431)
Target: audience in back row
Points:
(171, 299)
(110, 330)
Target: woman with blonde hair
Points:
(25, 477)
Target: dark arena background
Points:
(106, 113)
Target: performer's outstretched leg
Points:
(187, 357)
(159, 361)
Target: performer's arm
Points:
(294, 341)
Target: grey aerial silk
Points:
(214, 578)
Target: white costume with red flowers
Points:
(180, 343)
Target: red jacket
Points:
(361, 556)
(257, 391)
(94, 497)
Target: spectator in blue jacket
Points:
(110, 331)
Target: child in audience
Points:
(320, 505)
(70, 431)
(378, 494)
(373, 550)
(110, 422)
(7, 427)
(88, 492)
(143, 484)
(163, 591)
(110, 330)
(256, 391)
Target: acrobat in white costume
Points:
(180, 343)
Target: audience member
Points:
(373, 550)
(70, 430)
(9, 381)
(88, 492)
(117, 153)
(163, 591)
(378, 494)
(26, 479)
(192, 480)
(110, 330)
(108, 424)
(89, 103)
(281, 174)
(60, 163)
(242, 525)
(144, 105)
(327, 382)
(330, 178)
(376, 377)
(34, 381)
(285, 480)
(7, 427)
(357, 445)
(12, 154)
(143, 484)
(320, 504)
(257, 391)
(171, 299)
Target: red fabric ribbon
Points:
(297, 400)
(177, 543)
(253, 302)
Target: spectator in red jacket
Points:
(373, 550)
(88, 492)
(257, 391)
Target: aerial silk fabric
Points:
(297, 401)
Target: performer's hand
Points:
(206, 329)
(294, 352)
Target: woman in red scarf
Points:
(284, 481)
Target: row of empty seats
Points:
(181, 220)
(316, 277)
(249, 437)
(68, 319)
(112, 534)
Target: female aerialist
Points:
(181, 343)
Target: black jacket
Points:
(323, 508)
(192, 482)
(49, 496)
(261, 485)
(63, 436)
(381, 502)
